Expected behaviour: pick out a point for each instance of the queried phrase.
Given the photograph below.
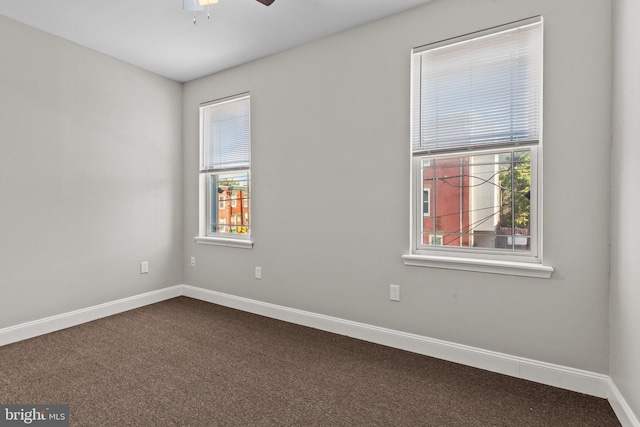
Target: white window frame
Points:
(210, 203)
(519, 263)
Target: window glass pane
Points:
(483, 91)
(226, 133)
(480, 201)
(228, 216)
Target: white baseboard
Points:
(621, 407)
(586, 382)
(546, 373)
(47, 325)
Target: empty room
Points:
(320, 212)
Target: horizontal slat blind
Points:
(479, 91)
(226, 135)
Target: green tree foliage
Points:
(515, 183)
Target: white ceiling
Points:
(159, 36)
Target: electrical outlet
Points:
(144, 267)
(394, 292)
(193, 261)
(258, 273)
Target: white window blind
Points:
(226, 135)
(480, 91)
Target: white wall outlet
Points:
(258, 273)
(193, 261)
(144, 267)
(394, 292)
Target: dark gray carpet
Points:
(185, 362)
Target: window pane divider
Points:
(478, 149)
(221, 170)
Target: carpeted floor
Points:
(185, 362)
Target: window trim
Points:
(220, 241)
(481, 265)
(206, 203)
(527, 264)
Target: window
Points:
(476, 150)
(435, 240)
(426, 200)
(225, 172)
(426, 192)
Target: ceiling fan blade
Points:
(266, 2)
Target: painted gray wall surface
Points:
(330, 127)
(90, 177)
(625, 268)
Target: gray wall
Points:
(90, 177)
(330, 125)
(625, 268)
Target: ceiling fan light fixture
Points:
(196, 5)
(192, 5)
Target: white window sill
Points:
(222, 241)
(480, 265)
